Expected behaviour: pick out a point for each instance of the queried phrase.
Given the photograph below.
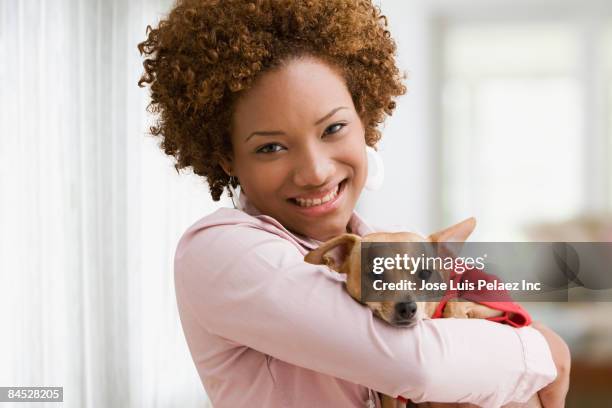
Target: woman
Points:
(281, 98)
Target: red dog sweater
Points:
(514, 314)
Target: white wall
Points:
(408, 196)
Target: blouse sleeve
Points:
(252, 287)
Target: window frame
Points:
(591, 18)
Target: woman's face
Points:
(299, 148)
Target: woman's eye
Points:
(275, 147)
(335, 128)
(269, 148)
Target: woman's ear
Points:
(226, 164)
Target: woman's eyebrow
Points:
(279, 132)
(330, 114)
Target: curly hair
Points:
(205, 53)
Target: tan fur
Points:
(343, 254)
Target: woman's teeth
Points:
(310, 202)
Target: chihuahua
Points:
(343, 254)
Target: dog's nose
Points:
(406, 310)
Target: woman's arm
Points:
(253, 287)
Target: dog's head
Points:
(343, 254)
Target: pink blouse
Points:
(266, 329)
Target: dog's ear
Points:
(452, 238)
(334, 252)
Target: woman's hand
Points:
(553, 395)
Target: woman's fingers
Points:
(554, 394)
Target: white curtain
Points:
(90, 211)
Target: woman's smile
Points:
(314, 205)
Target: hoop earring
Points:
(376, 170)
(233, 193)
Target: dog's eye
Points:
(424, 274)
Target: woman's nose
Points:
(313, 168)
